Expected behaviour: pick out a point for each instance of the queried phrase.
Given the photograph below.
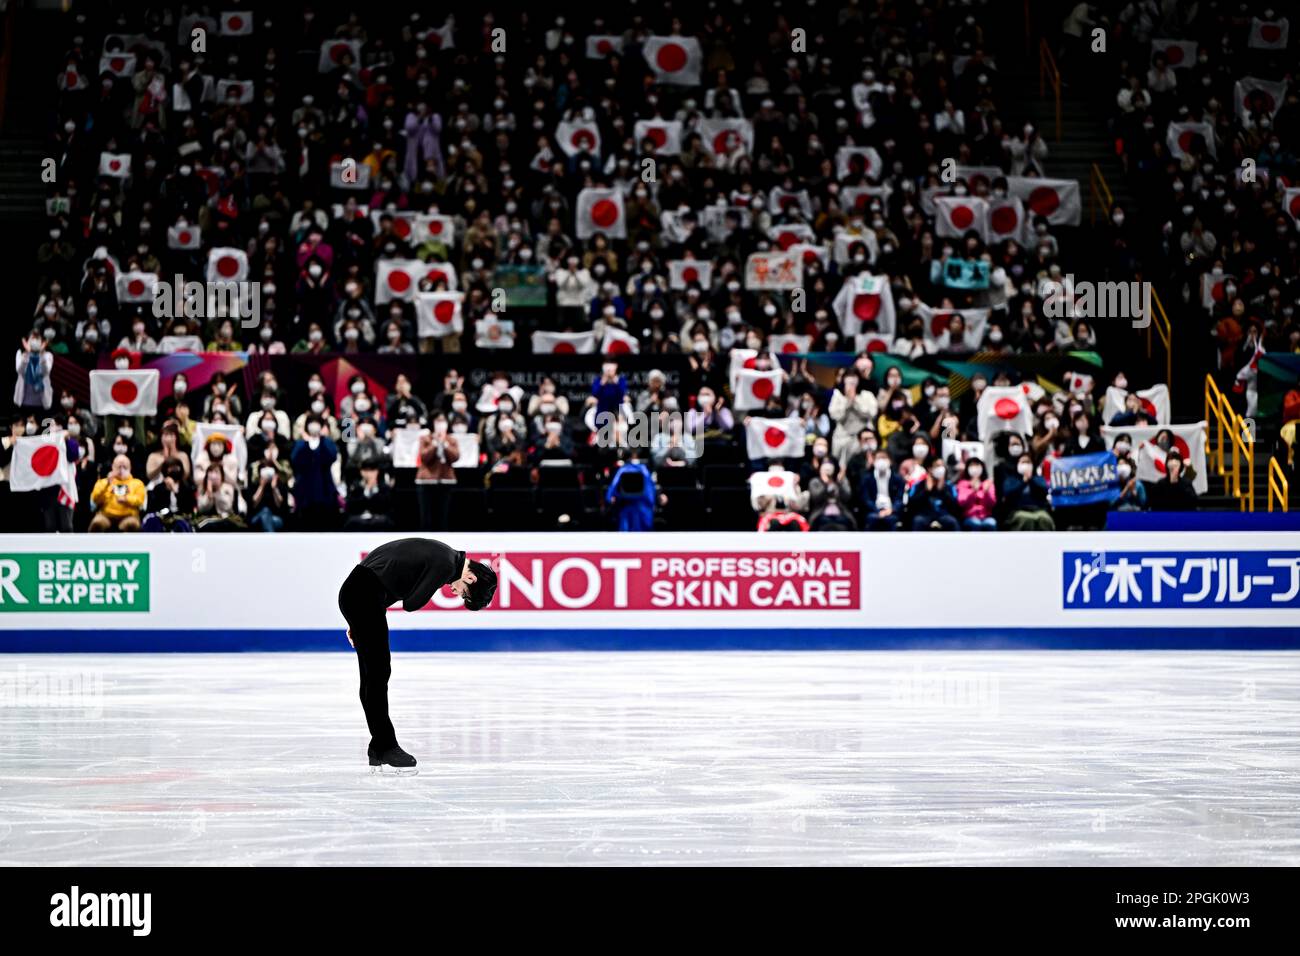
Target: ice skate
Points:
(394, 760)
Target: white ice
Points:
(675, 758)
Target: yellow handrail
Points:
(1101, 197)
(1277, 483)
(1226, 420)
(1047, 71)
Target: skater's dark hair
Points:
(484, 587)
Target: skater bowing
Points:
(409, 570)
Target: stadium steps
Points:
(22, 194)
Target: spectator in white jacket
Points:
(574, 290)
(852, 408)
(33, 364)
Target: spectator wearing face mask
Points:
(171, 493)
(33, 363)
(169, 449)
(1174, 491)
(219, 506)
(268, 489)
(225, 396)
(369, 504)
(435, 474)
(931, 505)
(883, 490)
(1132, 492)
(574, 290)
(711, 418)
(852, 408)
(829, 500)
(608, 392)
(316, 500)
(1026, 498)
(976, 497)
(118, 499)
(268, 407)
(313, 341)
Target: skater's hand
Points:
(350, 637)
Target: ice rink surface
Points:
(1055, 757)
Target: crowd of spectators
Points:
(459, 119)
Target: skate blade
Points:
(389, 771)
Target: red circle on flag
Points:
(399, 281)
(228, 266)
(583, 139)
(236, 23)
(135, 287)
(70, 78)
(604, 213)
(437, 275)
(184, 237)
(1006, 408)
(338, 51)
(877, 345)
(444, 311)
(402, 227)
(1270, 32)
(723, 142)
(810, 255)
(114, 164)
(1185, 139)
(44, 460)
(435, 227)
(776, 481)
(786, 240)
(1004, 219)
(1044, 201)
(866, 307)
(1173, 55)
(1216, 291)
(939, 322)
(1295, 207)
(1148, 406)
(123, 391)
(762, 388)
(563, 348)
(774, 437)
(656, 135)
(671, 57)
(961, 216)
(690, 274)
(117, 64)
(618, 347)
(604, 47)
(790, 346)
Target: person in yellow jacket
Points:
(118, 498)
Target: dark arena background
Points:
(879, 418)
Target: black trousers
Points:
(364, 602)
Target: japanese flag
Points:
(1155, 401)
(740, 359)
(722, 137)
(674, 60)
(236, 23)
(755, 387)
(136, 286)
(242, 90)
(227, 264)
(601, 210)
(936, 328)
(1181, 137)
(1003, 409)
(1291, 204)
(1179, 54)
(404, 223)
(443, 37)
(1189, 440)
(41, 461)
(578, 136)
(124, 391)
(438, 314)
(1212, 291)
(810, 253)
(1262, 97)
(957, 215)
(683, 272)
(436, 272)
(1269, 34)
(857, 161)
(1079, 384)
(491, 333)
(397, 279)
(666, 135)
(872, 342)
(564, 343)
(858, 198)
(618, 342)
(184, 237)
(433, 227)
(979, 177)
(600, 46)
(789, 344)
(1055, 199)
(332, 53)
(117, 165)
(774, 483)
(349, 175)
(774, 437)
(1007, 220)
(864, 299)
(119, 64)
(781, 201)
(791, 234)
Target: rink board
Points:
(1115, 590)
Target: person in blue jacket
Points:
(932, 505)
(882, 494)
(632, 495)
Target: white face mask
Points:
(1025, 469)
(1124, 472)
(939, 473)
(920, 451)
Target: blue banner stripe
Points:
(1020, 638)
